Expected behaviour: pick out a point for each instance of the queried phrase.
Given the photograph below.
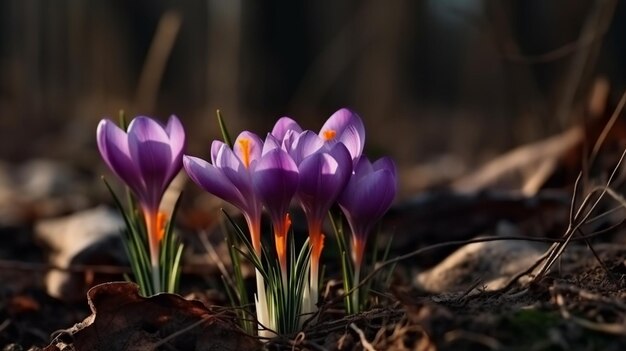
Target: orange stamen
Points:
(280, 236)
(317, 244)
(161, 220)
(358, 249)
(281, 249)
(245, 151)
(155, 226)
(329, 134)
(316, 241)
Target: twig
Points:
(588, 295)
(448, 244)
(607, 128)
(471, 288)
(528, 271)
(366, 344)
(323, 329)
(558, 249)
(298, 340)
(597, 257)
(609, 328)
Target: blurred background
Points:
(449, 81)
(443, 86)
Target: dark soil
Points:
(581, 307)
(577, 306)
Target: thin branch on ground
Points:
(608, 328)
(366, 344)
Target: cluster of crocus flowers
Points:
(314, 169)
(231, 176)
(146, 158)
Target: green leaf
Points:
(223, 129)
(135, 246)
(122, 120)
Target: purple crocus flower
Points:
(345, 126)
(365, 199)
(275, 182)
(323, 175)
(146, 158)
(230, 177)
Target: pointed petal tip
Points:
(283, 125)
(177, 139)
(387, 163)
(345, 126)
(144, 128)
(248, 148)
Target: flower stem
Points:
(316, 239)
(356, 293)
(152, 227)
(156, 278)
(358, 248)
(281, 228)
(262, 311)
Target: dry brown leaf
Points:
(123, 320)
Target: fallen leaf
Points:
(121, 319)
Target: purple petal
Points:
(248, 148)
(340, 153)
(304, 145)
(113, 146)
(270, 144)
(321, 180)
(363, 166)
(145, 128)
(385, 163)
(283, 125)
(275, 180)
(215, 148)
(176, 133)
(289, 140)
(346, 127)
(212, 180)
(150, 150)
(365, 201)
(230, 165)
(224, 156)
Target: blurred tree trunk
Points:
(223, 63)
(377, 79)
